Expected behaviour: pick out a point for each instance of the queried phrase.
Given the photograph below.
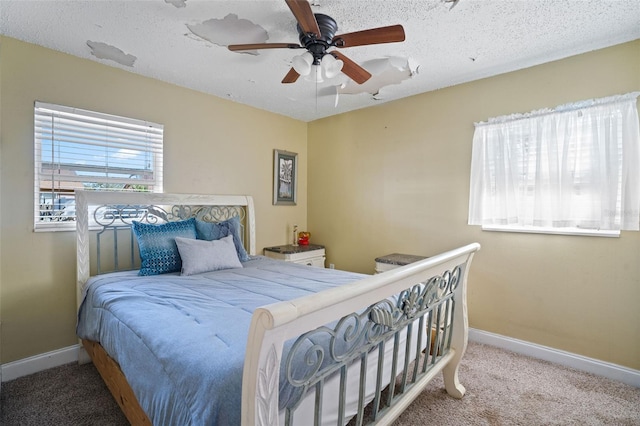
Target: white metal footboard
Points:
(425, 302)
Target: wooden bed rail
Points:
(274, 324)
(116, 383)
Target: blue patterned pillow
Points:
(214, 231)
(158, 250)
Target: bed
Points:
(254, 340)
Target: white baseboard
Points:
(568, 359)
(34, 364)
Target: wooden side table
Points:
(310, 255)
(395, 260)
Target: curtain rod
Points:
(573, 106)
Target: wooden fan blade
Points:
(301, 9)
(237, 47)
(291, 76)
(353, 70)
(390, 34)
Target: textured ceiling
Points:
(447, 43)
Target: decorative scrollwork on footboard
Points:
(418, 298)
(319, 353)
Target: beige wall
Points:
(395, 178)
(211, 146)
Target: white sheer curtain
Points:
(575, 166)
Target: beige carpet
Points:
(503, 388)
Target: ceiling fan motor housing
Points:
(317, 46)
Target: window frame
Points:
(512, 136)
(79, 126)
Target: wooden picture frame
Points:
(285, 177)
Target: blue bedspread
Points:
(180, 341)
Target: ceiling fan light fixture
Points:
(315, 76)
(331, 66)
(302, 63)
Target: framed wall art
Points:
(285, 177)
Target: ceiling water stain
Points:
(230, 30)
(111, 53)
(385, 72)
(177, 3)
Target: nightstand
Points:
(310, 255)
(395, 260)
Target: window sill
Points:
(70, 226)
(55, 227)
(553, 231)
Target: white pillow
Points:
(203, 256)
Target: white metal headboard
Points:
(87, 201)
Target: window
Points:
(574, 168)
(79, 149)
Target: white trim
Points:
(552, 231)
(37, 363)
(556, 356)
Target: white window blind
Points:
(79, 149)
(575, 166)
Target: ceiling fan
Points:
(317, 36)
